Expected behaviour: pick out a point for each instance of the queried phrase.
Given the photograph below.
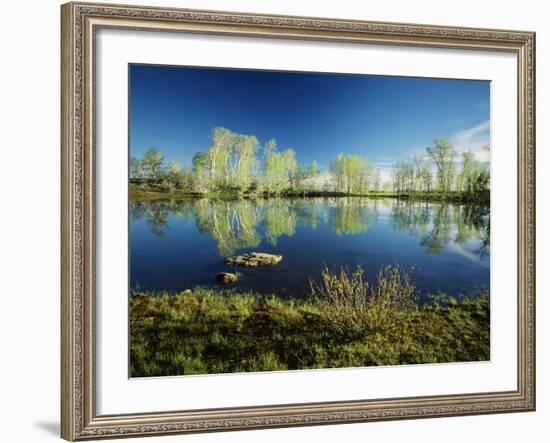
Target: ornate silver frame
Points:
(80, 21)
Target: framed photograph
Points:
(277, 221)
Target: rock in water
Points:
(254, 259)
(226, 277)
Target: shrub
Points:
(354, 307)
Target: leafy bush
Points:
(354, 307)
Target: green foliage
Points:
(403, 176)
(237, 163)
(152, 163)
(352, 174)
(228, 163)
(443, 154)
(280, 171)
(474, 178)
(205, 332)
(353, 306)
(422, 180)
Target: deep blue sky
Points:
(318, 115)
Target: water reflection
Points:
(244, 223)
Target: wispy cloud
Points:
(474, 139)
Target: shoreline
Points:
(136, 193)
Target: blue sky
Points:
(318, 115)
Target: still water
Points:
(176, 245)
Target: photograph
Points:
(284, 221)
(278, 218)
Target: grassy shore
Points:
(205, 331)
(141, 193)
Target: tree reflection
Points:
(243, 223)
(156, 213)
(441, 230)
(411, 217)
(280, 219)
(437, 225)
(232, 223)
(352, 215)
(310, 211)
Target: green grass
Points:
(142, 193)
(205, 331)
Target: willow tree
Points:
(408, 175)
(291, 166)
(403, 176)
(280, 170)
(242, 161)
(201, 181)
(443, 155)
(152, 164)
(230, 162)
(217, 156)
(352, 173)
(422, 173)
(426, 176)
(470, 169)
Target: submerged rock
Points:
(254, 259)
(226, 277)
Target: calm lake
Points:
(176, 245)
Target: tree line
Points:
(233, 162)
(238, 162)
(453, 172)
